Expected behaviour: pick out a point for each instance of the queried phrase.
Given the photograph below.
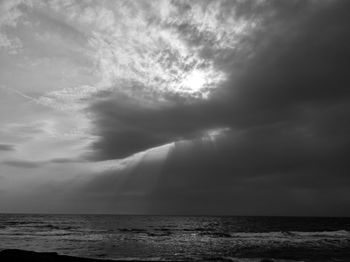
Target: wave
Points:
(165, 231)
(291, 234)
(213, 232)
(140, 259)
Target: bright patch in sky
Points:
(195, 80)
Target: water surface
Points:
(179, 237)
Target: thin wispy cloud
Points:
(7, 147)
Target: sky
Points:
(175, 107)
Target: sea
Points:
(180, 238)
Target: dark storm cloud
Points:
(288, 111)
(7, 147)
(250, 171)
(126, 127)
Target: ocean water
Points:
(183, 238)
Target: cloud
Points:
(40, 164)
(23, 163)
(285, 112)
(125, 126)
(9, 17)
(65, 160)
(7, 147)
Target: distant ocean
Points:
(185, 238)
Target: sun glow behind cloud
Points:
(157, 48)
(146, 50)
(162, 62)
(65, 54)
(195, 80)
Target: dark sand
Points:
(17, 255)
